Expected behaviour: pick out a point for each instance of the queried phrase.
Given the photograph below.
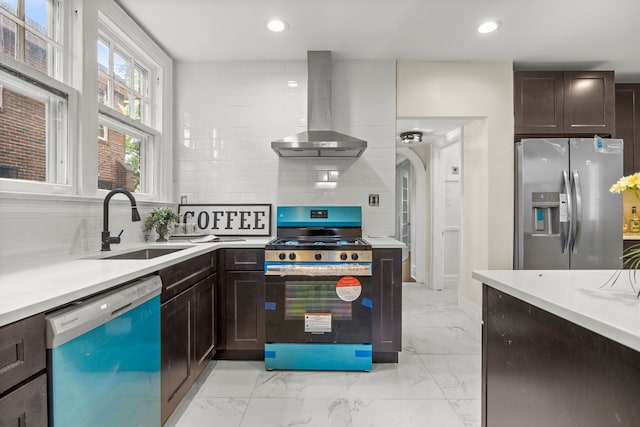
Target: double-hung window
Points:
(34, 100)
(127, 106)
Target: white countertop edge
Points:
(32, 291)
(615, 318)
(41, 289)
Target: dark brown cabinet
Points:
(387, 307)
(27, 405)
(552, 103)
(539, 369)
(242, 296)
(23, 382)
(188, 328)
(628, 124)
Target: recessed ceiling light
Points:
(277, 25)
(488, 27)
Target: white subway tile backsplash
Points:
(233, 111)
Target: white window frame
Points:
(56, 65)
(64, 148)
(117, 27)
(148, 151)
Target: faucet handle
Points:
(116, 239)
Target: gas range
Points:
(349, 250)
(319, 236)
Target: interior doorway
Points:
(431, 215)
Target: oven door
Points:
(318, 309)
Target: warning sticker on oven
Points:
(348, 288)
(317, 323)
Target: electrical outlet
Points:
(374, 200)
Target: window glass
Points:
(125, 87)
(31, 33)
(10, 6)
(36, 52)
(37, 15)
(120, 159)
(121, 69)
(8, 36)
(103, 57)
(121, 100)
(32, 125)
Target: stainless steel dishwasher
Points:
(103, 357)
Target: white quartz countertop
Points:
(578, 296)
(36, 290)
(384, 242)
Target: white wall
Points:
(483, 91)
(227, 114)
(36, 229)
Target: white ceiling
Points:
(535, 34)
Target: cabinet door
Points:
(244, 259)
(179, 277)
(538, 102)
(26, 406)
(387, 297)
(22, 350)
(628, 123)
(245, 318)
(176, 351)
(203, 327)
(589, 102)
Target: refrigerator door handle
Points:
(565, 231)
(577, 190)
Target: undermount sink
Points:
(147, 253)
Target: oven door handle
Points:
(350, 269)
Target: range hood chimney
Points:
(319, 140)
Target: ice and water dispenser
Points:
(549, 210)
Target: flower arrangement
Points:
(630, 183)
(631, 255)
(161, 220)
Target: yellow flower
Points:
(629, 183)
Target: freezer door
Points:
(541, 235)
(595, 165)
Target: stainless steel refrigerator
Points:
(565, 216)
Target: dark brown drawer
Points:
(22, 351)
(244, 259)
(180, 277)
(27, 405)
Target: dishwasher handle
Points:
(70, 322)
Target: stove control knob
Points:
(318, 256)
(343, 256)
(292, 256)
(282, 255)
(354, 256)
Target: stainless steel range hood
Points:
(319, 140)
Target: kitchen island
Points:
(559, 348)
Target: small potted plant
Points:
(161, 220)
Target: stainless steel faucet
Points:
(107, 240)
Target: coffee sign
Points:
(227, 220)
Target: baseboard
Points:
(451, 281)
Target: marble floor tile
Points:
(276, 412)
(231, 378)
(468, 410)
(458, 376)
(404, 413)
(206, 411)
(435, 384)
